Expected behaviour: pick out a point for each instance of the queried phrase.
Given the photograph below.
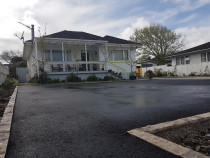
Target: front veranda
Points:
(83, 58)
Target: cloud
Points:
(12, 12)
(128, 31)
(189, 18)
(179, 6)
(195, 35)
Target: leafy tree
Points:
(159, 41)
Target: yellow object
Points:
(141, 72)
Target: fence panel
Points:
(181, 70)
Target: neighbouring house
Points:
(193, 61)
(195, 55)
(66, 52)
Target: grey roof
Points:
(87, 36)
(112, 39)
(74, 35)
(194, 49)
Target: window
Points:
(118, 55)
(125, 54)
(110, 56)
(208, 56)
(177, 61)
(68, 56)
(187, 60)
(182, 60)
(57, 55)
(203, 57)
(47, 55)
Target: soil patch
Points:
(6, 90)
(195, 136)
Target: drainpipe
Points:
(86, 56)
(63, 56)
(37, 57)
(107, 57)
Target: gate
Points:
(21, 73)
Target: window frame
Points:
(178, 61)
(203, 58)
(60, 52)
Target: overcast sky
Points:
(103, 17)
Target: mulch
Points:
(4, 99)
(195, 136)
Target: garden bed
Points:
(6, 90)
(195, 136)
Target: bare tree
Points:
(9, 55)
(132, 59)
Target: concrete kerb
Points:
(146, 134)
(181, 78)
(5, 124)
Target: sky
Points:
(117, 18)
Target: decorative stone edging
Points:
(5, 124)
(146, 133)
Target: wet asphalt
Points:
(91, 120)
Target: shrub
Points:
(2, 91)
(43, 78)
(172, 74)
(56, 80)
(9, 83)
(92, 78)
(192, 74)
(71, 78)
(12, 75)
(159, 73)
(112, 78)
(149, 74)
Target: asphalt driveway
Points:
(91, 120)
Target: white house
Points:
(195, 55)
(195, 60)
(66, 52)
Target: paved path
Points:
(91, 120)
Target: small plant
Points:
(56, 80)
(192, 74)
(71, 78)
(92, 78)
(173, 74)
(9, 83)
(112, 78)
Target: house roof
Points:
(194, 49)
(74, 35)
(87, 36)
(112, 39)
